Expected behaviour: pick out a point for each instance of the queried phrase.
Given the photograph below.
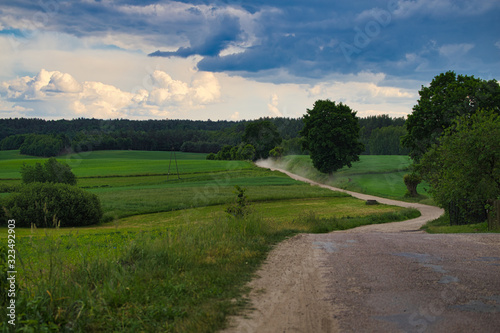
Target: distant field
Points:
(135, 182)
(377, 175)
(120, 163)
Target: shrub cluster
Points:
(52, 205)
(235, 153)
(51, 172)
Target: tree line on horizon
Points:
(380, 135)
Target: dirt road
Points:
(379, 278)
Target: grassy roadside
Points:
(182, 277)
(180, 265)
(442, 226)
(376, 175)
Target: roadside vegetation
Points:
(167, 255)
(442, 226)
(377, 175)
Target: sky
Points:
(235, 60)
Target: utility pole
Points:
(172, 152)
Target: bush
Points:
(6, 188)
(240, 207)
(211, 157)
(51, 172)
(411, 181)
(463, 169)
(52, 205)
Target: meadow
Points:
(379, 175)
(167, 257)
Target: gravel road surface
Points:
(379, 278)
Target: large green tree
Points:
(263, 135)
(448, 97)
(463, 169)
(331, 135)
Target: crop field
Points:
(167, 257)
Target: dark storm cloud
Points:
(216, 37)
(307, 39)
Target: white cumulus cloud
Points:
(97, 99)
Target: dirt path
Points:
(378, 278)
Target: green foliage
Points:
(44, 145)
(9, 188)
(331, 133)
(448, 97)
(369, 125)
(225, 153)
(246, 152)
(85, 135)
(51, 172)
(263, 135)
(387, 141)
(12, 142)
(53, 205)
(242, 152)
(240, 207)
(293, 146)
(411, 181)
(464, 167)
(200, 147)
(276, 152)
(211, 157)
(442, 226)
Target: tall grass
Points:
(185, 278)
(442, 225)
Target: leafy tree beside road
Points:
(331, 134)
(449, 96)
(463, 169)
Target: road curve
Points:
(428, 213)
(379, 278)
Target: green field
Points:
(166, 257)
(119, 163)
(377, 175)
